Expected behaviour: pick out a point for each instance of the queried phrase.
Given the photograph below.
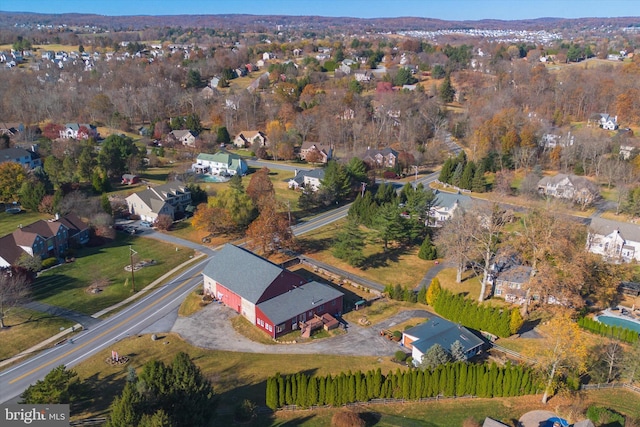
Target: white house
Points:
(26, 158)
(615, 241)
(78, 131)
(310, 179)
(445, 206)
(604, 121)
(220, 163)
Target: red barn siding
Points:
(263, 323)
(228, 298)
(283, 283)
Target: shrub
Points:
(400, 356)
(199, 291)
(245, 411)
(397, 335)
(134, 217)
(347, 419)
(600, 415)
(49, 262)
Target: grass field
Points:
(10, 222)
(238, 376)
(395, 266)
(27, 328)
(66, 285)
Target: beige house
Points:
(184, 137)
(318, 153)
(248, 137)
(167, 199)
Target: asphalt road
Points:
(132, 320)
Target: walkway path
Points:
(83, 319)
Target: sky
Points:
(439, 9)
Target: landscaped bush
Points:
(49, 262)
(605, 416)
(347, 418)
(458, 309)
(617, 332)
(400, 356)
(451, 379)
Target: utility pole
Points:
(289, 211)
(416, 168)
(133, 281)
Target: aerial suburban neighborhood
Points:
(267, 219)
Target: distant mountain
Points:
(268, 22)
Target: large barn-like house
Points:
(274, 299)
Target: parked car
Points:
(146, 224)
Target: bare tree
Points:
(455, 240)
(491, 221)
(14, 290)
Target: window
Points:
(280, 327)
(333, 303)
(270, 328)
(321, 308)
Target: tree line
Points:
(459, 309)
(448, 380)
(618, 332)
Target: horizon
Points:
(448, 10)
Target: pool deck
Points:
(619, 315)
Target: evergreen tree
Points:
(479, 183)
(336, 184)
(125, 409)
(390, 224)
(222, 135)
(433, 291)
(349, 244)
(312, 392)
(446, 91)
(515, 322)
(446, 173)
(434, 357)
(272, 393)
(427, 250)
(422, 295)
(457, 352)
(58, 386)
(468, 173)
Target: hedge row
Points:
(617, 332)
(457, 308)
(451, 379)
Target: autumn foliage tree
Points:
(562, 351)
(212, 219)
(271, 230)
(260, 187)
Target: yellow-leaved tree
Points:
(562, 350)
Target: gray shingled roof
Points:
(298, 300)
(447, 200)
(11, 154)
(242, 272)
(437, 330)
(605, 227)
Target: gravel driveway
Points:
(211, 328)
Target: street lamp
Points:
(131, 254)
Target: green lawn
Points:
(10, 222)
(66, 285)
(238, 376)
(395, 266)
(27, 328)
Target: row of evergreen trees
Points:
(463, 174)
(617, 332)
(457, 308)
(451, 379)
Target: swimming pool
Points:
(212, 178)
(617, 321)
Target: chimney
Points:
(57, 216)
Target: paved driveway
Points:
(211, 328)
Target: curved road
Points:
(132, 320)
(137, 318)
